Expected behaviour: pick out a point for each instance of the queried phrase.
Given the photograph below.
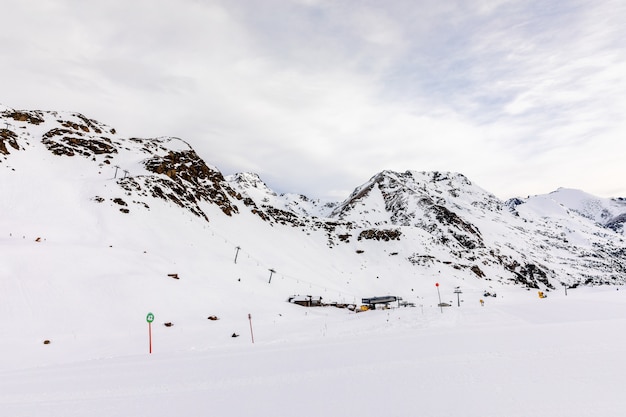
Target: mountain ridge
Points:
(428, 221)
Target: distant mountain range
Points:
(425, 222)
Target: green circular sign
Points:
(150, 318)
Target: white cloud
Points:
(320, 95)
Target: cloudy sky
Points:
(316, 96)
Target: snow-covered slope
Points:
(97, 230)
(608, 212)
(85, 208)
(453, 222)
(74, 176)
(252, 187)
(517, 356)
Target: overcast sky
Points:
(316, 96)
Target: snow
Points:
(516, 356)
(600, 210)
(83, 276)
(251, 185)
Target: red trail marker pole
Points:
(439, 294)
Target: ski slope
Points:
(77, 271)
(516, 356)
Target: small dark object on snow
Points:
(46, 342)
(488, 294)
(175, 276)
(235, 335)
(213, 318)
(168, 324)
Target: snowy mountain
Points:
(97, 230)
(604, 211)
(251, 186)
(426, 221)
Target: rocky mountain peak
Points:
(248, 180)
(427, 221)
